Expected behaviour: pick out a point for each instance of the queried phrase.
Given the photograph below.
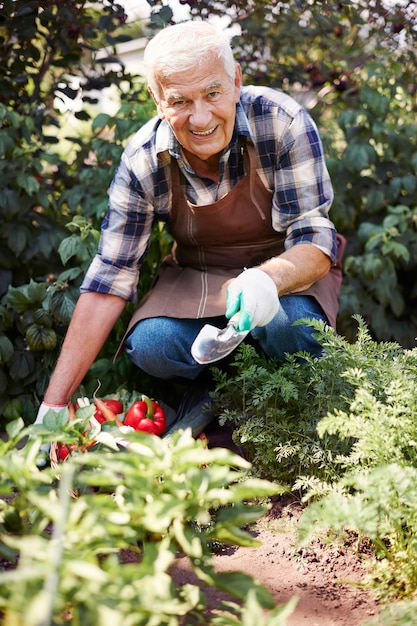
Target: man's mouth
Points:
(204, 133)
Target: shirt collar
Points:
(242, 123)
(165, 140)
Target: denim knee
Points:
(161, 347)
(281, 336)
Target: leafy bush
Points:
(375, 495)
(373, 163)
(278, 407)
(55, 172)
(42, 52)
(342, 429)
(157, 499)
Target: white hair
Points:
(183, 46)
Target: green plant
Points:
(397, 614)
(32, 319)
(42, 50)
(153, 499)
(341, 429)
(277, 407)
(379, 504)
(56, 166)
(381, 419)
(373, 163)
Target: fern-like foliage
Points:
(341, 430)
(301, 421)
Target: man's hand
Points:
(254, 295)
(43, 410)
(91, 323)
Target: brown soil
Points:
(323, 578)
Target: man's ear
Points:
(157, 104)
(238, 81)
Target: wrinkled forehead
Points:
(198, 76)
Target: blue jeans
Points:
(161, 346)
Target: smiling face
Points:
(200, 106)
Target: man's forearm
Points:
(94, 316)
(297, 268)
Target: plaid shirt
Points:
(290, 163)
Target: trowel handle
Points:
(234, 321)
(233, 327)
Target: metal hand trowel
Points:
(213, 344)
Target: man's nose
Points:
(200, 115)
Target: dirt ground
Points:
(323, 578)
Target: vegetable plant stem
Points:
(51, 590)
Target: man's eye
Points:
(178, 102)
(213, 95)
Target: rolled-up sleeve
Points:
(303, 192)
(125, 236)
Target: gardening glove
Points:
(43, 409)
(253, 294)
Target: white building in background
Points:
(130, 54)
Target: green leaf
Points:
(23, 298)
(409, 184)
(21, 364)
(13, 410)
(6, 349)
(356, 157)
(18, 299)
(100, 121)
(413, 162)
(42, 317)
(70, 274)
(14, 428)
(240, 514)
(62, 306)
(255, 487)
(396, 249)
(376, 102)
(375, 200)
(40, 338)
(36, 291)
(69, 247)
(6, 144)
(56, 420)
(28, 183)
(234, 536)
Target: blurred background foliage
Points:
(352, 64)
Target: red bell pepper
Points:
(114, 405)
(146, 415)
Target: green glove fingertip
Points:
(232, 305)
(244, 321)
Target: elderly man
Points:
(239, 177)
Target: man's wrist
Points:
(51, 405)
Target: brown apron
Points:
(213, 244)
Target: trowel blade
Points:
(213, 344)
